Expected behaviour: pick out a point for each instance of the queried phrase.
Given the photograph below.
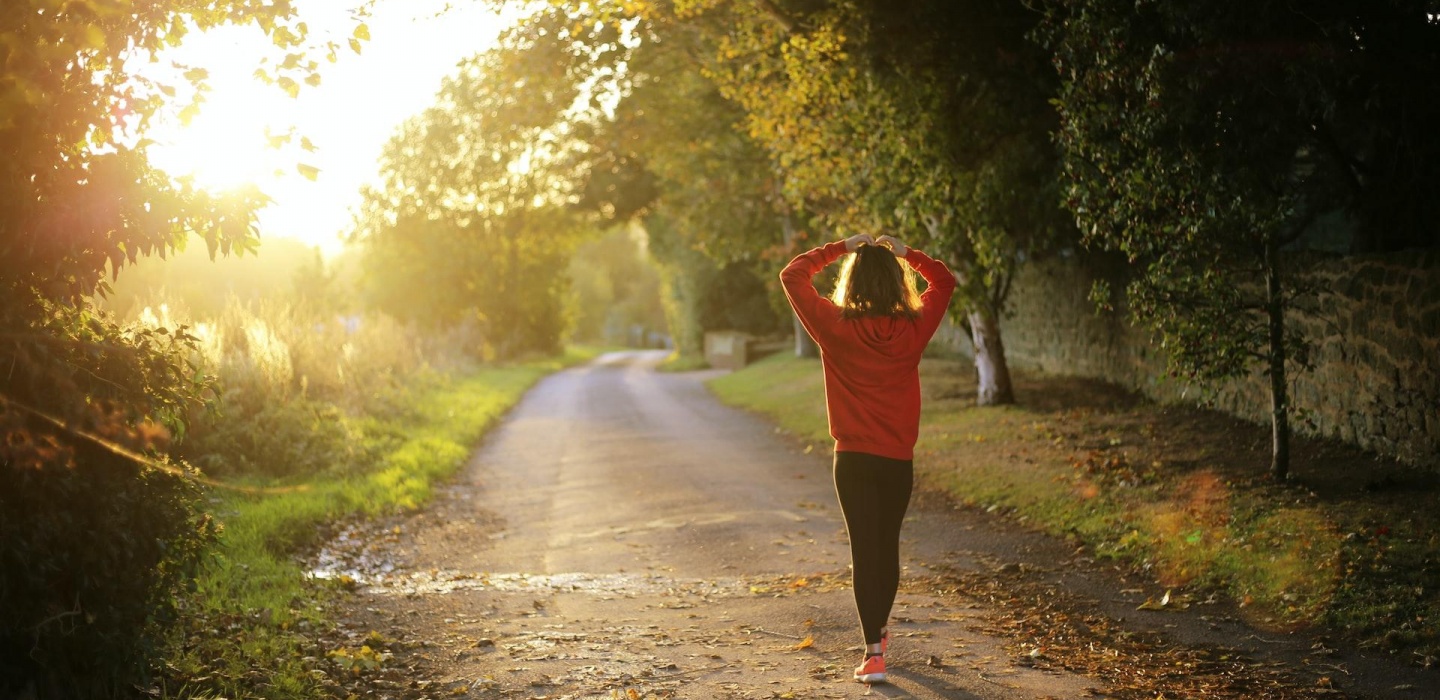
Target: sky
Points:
(358, 105)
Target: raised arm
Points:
(816, 313)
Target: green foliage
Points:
(580, 116)
(685, 273)
(714, 184)
(1201, 144)
(473, 221)
(253, 616)
(928, 121)
(616, 290)
(703, 295)
(292, 382)
(737, 300)
(98, 529)
(276, 439)
(197, 286)
(91, 557)
(1147, 97)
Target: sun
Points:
(231, 141)
(312, 153)
(222, 149)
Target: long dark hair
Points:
(874, 283)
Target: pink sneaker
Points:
(872, 671)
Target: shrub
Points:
(93, 546)
(290, 379)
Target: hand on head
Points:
(893, 244)
(887, 241)
(857, 240)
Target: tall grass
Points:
(318, 418)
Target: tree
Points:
(474, 220)
(1203, 143)
(648, 138)
(929, 120)
(716, 219)
(100, 530)
(616, 290)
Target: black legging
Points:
(874, 492)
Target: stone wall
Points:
(1375, 328)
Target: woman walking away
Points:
(871, 336)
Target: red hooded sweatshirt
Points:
(872, 364)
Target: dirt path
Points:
(623, 535)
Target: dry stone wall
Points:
(1375, 328)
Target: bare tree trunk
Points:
(994, 374)
(1279, 387)
(804, 345)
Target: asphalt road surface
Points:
(624, 535)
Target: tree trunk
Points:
(804, 345)
(1279, 387)
(994, 374)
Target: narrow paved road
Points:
(624, 535)
(622, 530)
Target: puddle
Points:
(353, 554)
(358, 554)
(618, 584)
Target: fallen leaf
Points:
(806, 643)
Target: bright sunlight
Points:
(225, 145)
(312, 153)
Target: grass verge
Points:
(1352, 543)
(256, 624)
(676, 362)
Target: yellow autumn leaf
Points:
(289, 85)
(806, 643)
(94, 38)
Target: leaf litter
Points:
(1049, 629)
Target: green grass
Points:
(790, 391)
(1170, 491)
(255, 615)
(676, 362)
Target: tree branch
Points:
(774, 13)
(125, 453)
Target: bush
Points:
(93, 546)
(291, 379)
(274, 439)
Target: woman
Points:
(871, 336)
